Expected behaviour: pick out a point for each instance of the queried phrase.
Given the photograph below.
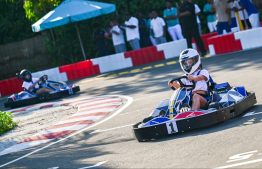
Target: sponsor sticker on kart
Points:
(171, 127)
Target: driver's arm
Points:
(33, 85)
(174, 84)
(196, 78)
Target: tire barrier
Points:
(204, 39)
(80, 70)
(217, 44)
(145, 55)
(223, 44)
(10, 86)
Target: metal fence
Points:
(29, 54)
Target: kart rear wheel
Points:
(215, 105)
(9, 100)
(43, 96)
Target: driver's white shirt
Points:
(26, 85)
(200, 85)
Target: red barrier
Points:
(145, 55)
(204, 39)
(10, 86)
(80, 70)
(225, 43)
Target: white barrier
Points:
(53, 74)
(172, 49)
(112, 62)
(250, 38)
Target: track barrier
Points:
(216, 44)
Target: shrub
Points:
(6, 122)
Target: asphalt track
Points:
(234, 143)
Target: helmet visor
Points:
(188, 63)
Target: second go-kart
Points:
(59, 89)
(224, 102)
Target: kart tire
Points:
(43, 96)
(215, 105)
(9, 100)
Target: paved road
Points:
(234, 143)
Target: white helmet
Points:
(189, 60)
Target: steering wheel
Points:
(189, 87)
(43, 80)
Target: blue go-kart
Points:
(59, 90)
(224, 102)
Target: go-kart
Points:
(224, 102)
(59, 89)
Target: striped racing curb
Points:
(89, 110)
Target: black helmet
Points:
(25, 72)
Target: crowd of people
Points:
(180, 22)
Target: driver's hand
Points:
(39, 80)
(170, 84)
(190, 78)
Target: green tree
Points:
(14, 24)
(63, 44)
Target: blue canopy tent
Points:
(73, 11)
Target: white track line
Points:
(239, 164)
(129, 101)
(99, 131)
(96, 165)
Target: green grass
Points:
(6, 122)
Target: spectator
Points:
(243, 15)
(233, 14)
(108, 34)
(211, 18)
(132, 33)
(174, 28)
(252, 12)
(144, 35)
(158, 27)
(118, 37)
(99, 38)
(186, 13)
(223, 15)
(153, 41)
(198, 12)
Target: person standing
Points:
(118, 37)
(173, 26)
(252, 12)
(243, 15)
(99, 38)
(153, 41)
(158, 27)
(144, 35)
(132, 32)
(233, 14)
(211, 18)
(186, 13)
(223, 14)
(198, 12)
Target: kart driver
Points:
(31, 84)
(191, 64)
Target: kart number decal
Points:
(171, 127)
